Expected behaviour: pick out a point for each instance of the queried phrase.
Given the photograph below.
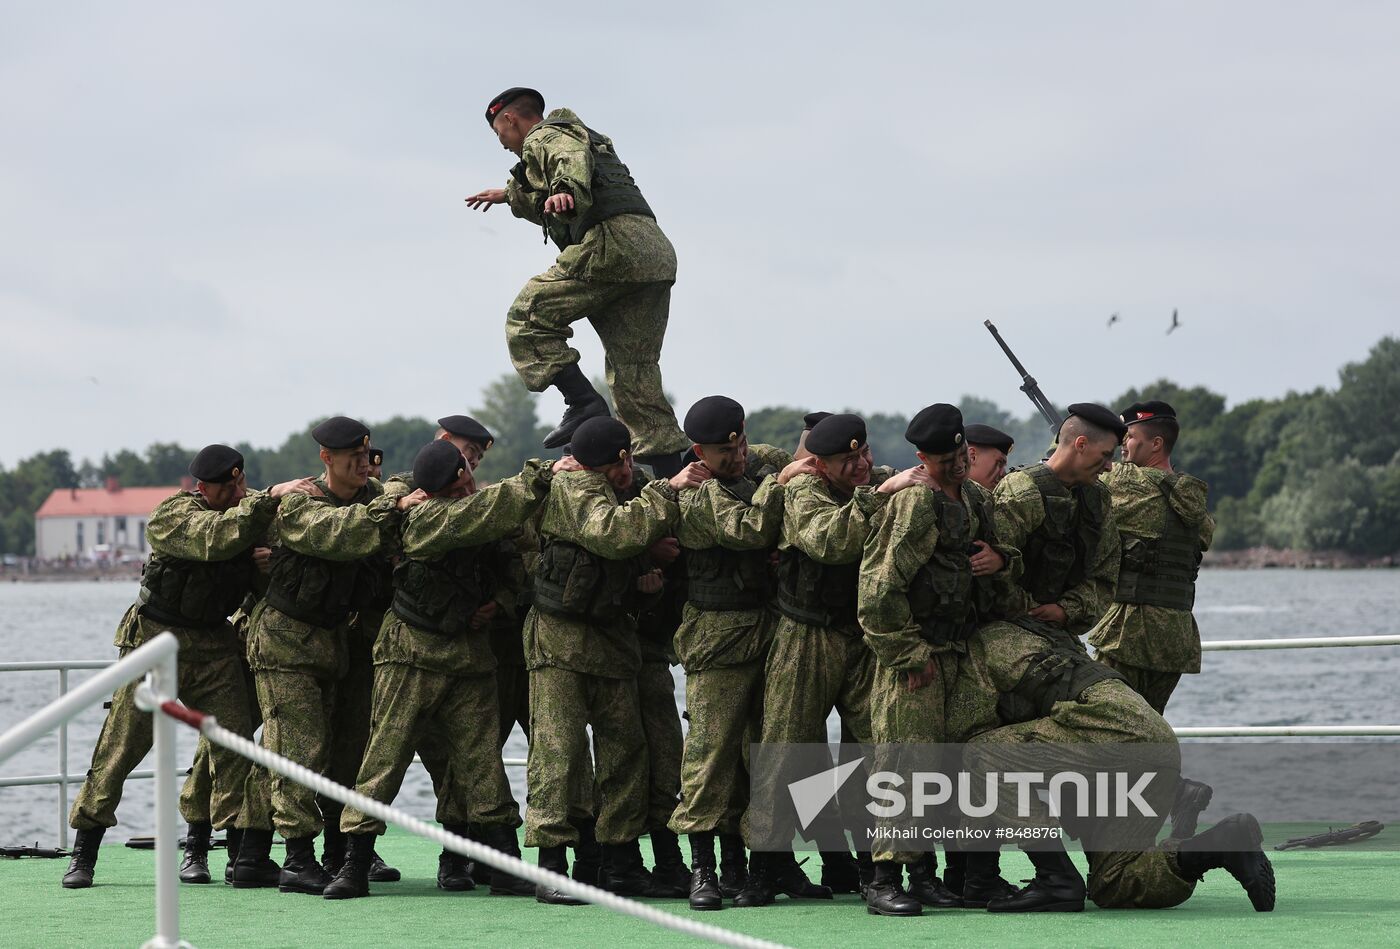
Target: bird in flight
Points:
(1111, 320)
(1175, 323)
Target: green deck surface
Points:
(1326, 897)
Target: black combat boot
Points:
(85, 844)
(352, 881)
(954, 869)
(840, 874)
(925, 886)
(982, 881)
(481, 872)
(555, 860)
(789, 879)
(504, 883)
(381, 872)
(1235, 845)
(588, 855)
(300, 871)
(664, 467)
(454, 870)
(627, 875)
(759, 889)
(253, 867)
(1192, 797)
(705, 892)
(670, 877)
(195, 867)
(332, 844)
(233, 840)
(582, 400)
(1057, 887)
(886, 897)
(733, 865)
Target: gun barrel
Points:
(1028, 384)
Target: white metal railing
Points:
(158, 659)
(1300, 642)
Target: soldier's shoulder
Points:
(914, 508)
(771, 455)
(806, 484)
(974, 493)
(182, 501)
(1018, 483)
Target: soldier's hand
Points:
(691, 476)
(986, 561)
(801, 466)
(412, 499)
(299, 486)
(916, 679)
(1050, 613)
(262, 559)
(905, 479)
(664, 551)
(561, 203)
(567, 463)
(484, 614)
(650, 582)
(482, 200)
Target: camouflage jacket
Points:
(629, 248)
(1151, 637)
(583, 509)
(1018, 510)
(901, 544)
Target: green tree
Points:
(508, 411)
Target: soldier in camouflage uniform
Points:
(932, 569)
(582, 651)
(987, 449)
(434, 668)
(200, 569)
(817, 661)
(728, 528)
(1148, 633)
(615, 269)
(330, 545)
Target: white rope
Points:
(1298, 642)
(216, 733)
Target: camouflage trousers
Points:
(298, 723)
(197, 794)
(1156, 687)
(351, 714)
(461, 710)
(661, 723)
(214, 684)
(725, 707)
(513, 708)
(810, 671)
(562, 704)
(630, 319)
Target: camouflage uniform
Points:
(812, 669)
(583, 671)
(902, 546)
(425, 679)
(1152, 645)
(182, 528)
(196, 795)
(298, 665)
(618, 277)
(723, 651)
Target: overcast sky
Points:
(219, 223)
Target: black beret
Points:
(810, 420)
(376, 455)
(1100, 416)
(601, 441)
(437, 465)
(1142, 411)
(936, 430)
(978, 434)
(836, 435)
(341, 432)
(506, 98)
(216, 464)
(464, 426)
(714, 420)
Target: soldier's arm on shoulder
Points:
(823, 529)
(771, 455)
(898, 546)
(756, 525)
(697, 527)
(349, 532)
(493, 513)
(619, 531)
(182, 526)
(1017, 509)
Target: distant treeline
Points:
(1314, 470)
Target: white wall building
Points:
(96, 523)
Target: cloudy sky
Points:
(220, 222)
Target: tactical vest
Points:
(325, 592)
(943, 595)
(1060, 673)
(442, 595)
(194, 593)
(721, 579)
(1161, 571)
(612, 189)
(816, 593)
(1058, 551)
(570, 581)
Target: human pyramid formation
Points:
(361, 621)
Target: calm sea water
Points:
(49, 621)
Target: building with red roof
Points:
(107, 523)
